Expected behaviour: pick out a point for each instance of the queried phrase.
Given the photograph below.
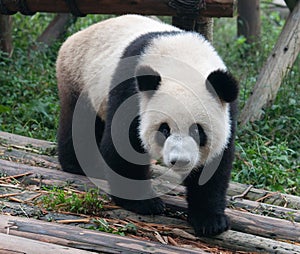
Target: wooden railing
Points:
(208, 8)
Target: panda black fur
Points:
(90, 63)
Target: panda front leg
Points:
(207, 203)
(150, 206)
(129, 183)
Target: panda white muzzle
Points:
(181, 153)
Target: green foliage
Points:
(265, 163)
(84, 203)
(29, 103)
(267, 150)
(28, 94)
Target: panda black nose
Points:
(180, 162)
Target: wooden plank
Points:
(59, 178)
(236, 189)
(253, 243)
(231, 239)
(274, 198)
(241, 221)
(269, 197)
(25, 141)
(264, 226)
(106, 243)
(251, 223)
(20, 155)
(279, 62)
(265, 209)
(212, 8)
(13, 244)
(47, 176)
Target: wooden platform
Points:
(262, 221)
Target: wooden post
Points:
(184, 22)
(56, 28)
(278, 63)
(5, 34)
(205, 26)
(249, 19)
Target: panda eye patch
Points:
(163, 133)
(197, 133)
(164, 129)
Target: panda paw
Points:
(146, 207)
(209, 225)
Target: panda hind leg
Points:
(66, 153)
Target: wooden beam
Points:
(278, 64)
(76, 237)
(233, 240)
(213, 8)
(6, 44)
(83, 238)
(242, 221)
(9, 138)
(23, 150)
(250, 223)
(60, 177)
(274, 198)
(11, 244)
(205, 26)
(248, 21)
(265, 209)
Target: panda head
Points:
(184, 121)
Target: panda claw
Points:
(209, 225)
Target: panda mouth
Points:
(177, 168)
(181, 170)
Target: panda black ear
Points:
(147, 79)
(223, 84)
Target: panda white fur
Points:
(184, 101)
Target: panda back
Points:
(88, 59)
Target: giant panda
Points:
(156, 92)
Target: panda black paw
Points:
(209, 225)
(146, 207)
